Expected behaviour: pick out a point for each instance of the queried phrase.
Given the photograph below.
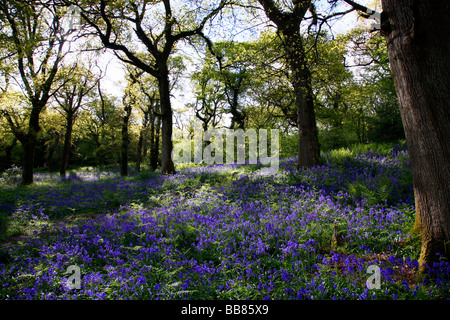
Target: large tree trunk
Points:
(29, 143)
(288, 24)
(419, 44)
(308, 142)
(29, 147)
(167, 165)
(67, 144)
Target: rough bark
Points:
(308, 142)
(167, 165)
(29, 142)
(418, 42)
(238, 117)
(153, 159)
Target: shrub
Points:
(11, 175)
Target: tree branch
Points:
(105, 38)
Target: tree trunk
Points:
(308, 142)
(67, 144)
(154, 152)
(125, 142)
(153, 159)
(8, 151)
(238, 117)
(288, 24)
(29, 147)
(167, 165)
(142, 148)
(419, 44)
(139, 150)
(29, 143)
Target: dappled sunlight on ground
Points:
(222, 232)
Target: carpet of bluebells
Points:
(219, 232)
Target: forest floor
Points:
(220, 232)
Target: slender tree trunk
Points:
(142, 148)
(419, 44)
(167, 165)
(153, 162)
(139, 150)
(125, 142)
(67, 144)
(154, 152)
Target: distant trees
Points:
(209, 105)
(369, 50)
(150, 129)
(223, 83)
(234, 61)
(130, 102)
(77, 83)
(98, 129)
(259, 83)
(354, 91)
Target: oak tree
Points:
(418, 43)
(34, 36)
(157, 26)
